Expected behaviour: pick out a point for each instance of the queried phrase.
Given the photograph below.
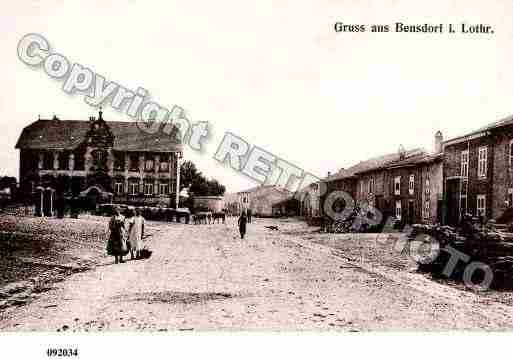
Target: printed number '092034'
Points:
(62, 352)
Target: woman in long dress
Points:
(242, 224)
(116, 245)
(135, 234)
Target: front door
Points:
(411, 212)
(452, 199)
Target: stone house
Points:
(478, 177)
(407, 185)
(363, 182)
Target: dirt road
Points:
(204, 277)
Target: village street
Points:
(204, 277)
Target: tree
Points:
(199, 185)
(6, 181)
(188, 172)
(215, 188)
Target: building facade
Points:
(309, 200)
(261, 199)
(478, 172)
(98, 161)
(406, 185)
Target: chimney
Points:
(438, 141)
(402, 152)
(329, 173)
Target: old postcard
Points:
(327, 166)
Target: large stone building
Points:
(97, 160)
(407, 184)
(478, 172)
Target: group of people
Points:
(126, 235)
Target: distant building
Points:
(310, 200)
(288, 207)
(478, 172)
(97, 160)
(261, 199)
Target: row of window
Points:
(482, 162)
(98, 156)
(397, 185)
(147, 188)
(63, 161)
(148, 164)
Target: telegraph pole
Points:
(178, 161)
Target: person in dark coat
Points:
(243, 219)
(117, 245)
(249, 215)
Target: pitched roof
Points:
(69, 134)
(416, 160)
(493, 125)
(372, 164)
(261, 188)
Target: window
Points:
(148, 188)
(362, 186)
(463, 205)
(482, 162)
(164, 188)
(427, 203)
(511, 154)
(119, 161)
(411, 184)
(79, 160)
(427, 207)
(99, 156)
(133, 188)
(371, 185)
(134, 163)
(64, 160)
(510, 197)
(148, 165)
(118, 187)
(164, 166)
(464, 164)
(398, 210)
(481, 205)
(397, 185)
(48, 161)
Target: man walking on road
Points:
(242, 224)
(249, 215)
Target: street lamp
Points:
(179, 156)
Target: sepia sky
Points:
(273, 72)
